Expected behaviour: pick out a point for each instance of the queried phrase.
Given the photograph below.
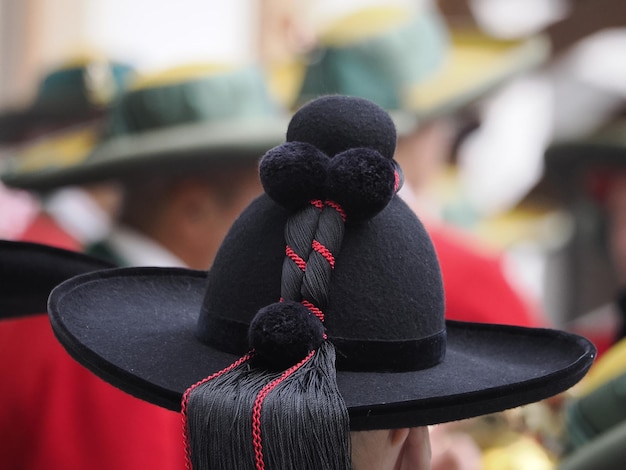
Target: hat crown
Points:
(383, 306)
(386, 285)
(218, 96)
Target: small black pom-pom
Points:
(337, 123)
(293, 173)
(362, 181)
(283, 333)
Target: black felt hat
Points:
(155, 332)
(29, 271)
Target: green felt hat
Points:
(182, 120)
(411, 64)
(77, 91)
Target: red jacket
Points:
(55, 414)
(44, 229)
(58, 415)
(475, 286)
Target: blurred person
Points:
(587, 177)
(594, 433)
(577, 91)
(329, 354)
(592, 171)
(183, 146)
(63, 124)
(56, 415)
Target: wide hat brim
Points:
(135, 328)
(16, 125)
(605, 149)
(29, 271)
(184, 148)
(476, 66)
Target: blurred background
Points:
(40, 35)
(530, 178)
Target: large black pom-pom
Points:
(336, 123)
(294, 173)
(362, 181)
(283, 333)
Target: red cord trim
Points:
(337, 207)
(256, 410)
(185, 401)
(325, 252)
(316, 311)
(318, 203)
(293, 256)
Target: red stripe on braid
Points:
(325, 252)
(396, 184)
(256, 410)
(185, 402)
(318, 203)
(337, 207)
(316, 311)
(293, 256)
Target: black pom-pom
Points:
(362, 181)
(294, 173)
(283, 333)
(336, 123)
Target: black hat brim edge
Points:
(183, 148)
(16, 125)
(567, 156)
(29, 272)
(134, 327)
(607, 147)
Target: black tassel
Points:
(302, 418)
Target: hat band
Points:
(352, 354)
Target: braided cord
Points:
(313, 238)
(299, 235)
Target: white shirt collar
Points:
(138, 250)
(78, 214)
